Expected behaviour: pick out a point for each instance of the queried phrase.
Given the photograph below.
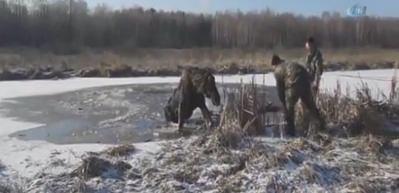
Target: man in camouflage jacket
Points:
(294, 83)
(314, 64)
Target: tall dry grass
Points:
(229, 60)
(248, 111)
(360, 115)
(248, 108)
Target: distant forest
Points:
(70, 23)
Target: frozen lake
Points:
(110, 115)
(28, 156)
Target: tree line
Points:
(70, 23)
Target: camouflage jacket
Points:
(314, 65)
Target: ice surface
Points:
(25, 159)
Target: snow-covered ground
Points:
(27, 158)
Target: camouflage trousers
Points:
(304, 116)
(306, 111)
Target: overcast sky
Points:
(305, 7)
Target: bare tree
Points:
(69, 24)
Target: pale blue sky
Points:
(305, 7)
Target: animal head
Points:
(205, 83)
(211, 91)
(170, 114)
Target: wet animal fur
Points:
(195, 84)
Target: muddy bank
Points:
(62, 72)
(43, 73)
(110, 115)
